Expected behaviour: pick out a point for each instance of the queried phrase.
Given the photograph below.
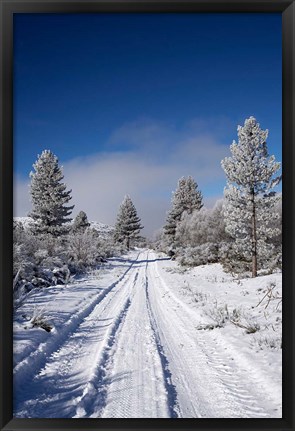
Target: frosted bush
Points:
(219, 314)
(41, 259)
(238, 317)
(40, 320)
(199, 255)
(268, 342)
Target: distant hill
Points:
(104, 230)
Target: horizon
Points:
(128, 110)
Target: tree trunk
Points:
(128, 243)
(254, 237)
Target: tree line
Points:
(243, 231)
(50, 198)
(53, 246)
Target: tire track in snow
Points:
(94, 394)
(186, 375)
(230, 365)
(222, 370)
(137, 386)
(26, 371)
(36, 360)
(172, 400)
(195, 383)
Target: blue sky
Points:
(131, 102)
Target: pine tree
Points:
(249, 195)
(172, 219)
(81, 222)
(128, 225)
(49, 196)
(186, 199)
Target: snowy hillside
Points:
(143, 337)
(103, 229)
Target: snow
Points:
(143, 337)
(25, 221)
(103, 229)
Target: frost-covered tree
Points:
(18, 232)
(204, 226)
(49, 195)
(201, 236)
(169, 229)
(186, 199)
(80, 222)
(276, 224)
(128, 224)
(249, 197)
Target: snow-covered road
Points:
(131, 348)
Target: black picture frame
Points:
(10, 7)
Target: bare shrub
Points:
(39, 320)
(268, 342)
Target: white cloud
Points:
(21, 196)
(157, 157)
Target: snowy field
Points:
(144, 337)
